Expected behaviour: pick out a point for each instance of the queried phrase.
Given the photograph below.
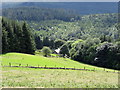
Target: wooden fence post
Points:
(45, 66)
(84, 68)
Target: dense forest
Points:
(83, 8)
(16, 37)
(92, 39)
(104, 25)
(40, 14)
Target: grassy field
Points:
(26, 77)
(47, 78)
(32, 60)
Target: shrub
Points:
(46, 51)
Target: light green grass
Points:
(32, 60)
(54, 55)
(42, 78)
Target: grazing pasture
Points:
(44, 78)
(53, 78)
(32, 60)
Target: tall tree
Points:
(39, 42)
(5, 47)
(28, 41)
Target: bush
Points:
(38, 52)
(46, 51)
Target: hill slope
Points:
(29, 77)
(32, 60)
(81, 7)
(89, 26)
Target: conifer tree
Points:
(16, 37)
(39, 43)
(4, 41)
(28, 41)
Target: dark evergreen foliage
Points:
(39, 14)
(16, 37)
(39, 42)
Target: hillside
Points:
(39, 14)
(51, 78)
(98, 34)
(94, 26)
(60, 45)
(83, 8)
(19, 58)
(65, 24)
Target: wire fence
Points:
(46, 67)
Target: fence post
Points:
(84, 68)
(10, 64)
(27, 65)
(45, 66)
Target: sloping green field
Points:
(18, 58)
(47, 78)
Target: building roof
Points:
(57, 50)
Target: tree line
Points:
(93, 51)
(16, 37)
